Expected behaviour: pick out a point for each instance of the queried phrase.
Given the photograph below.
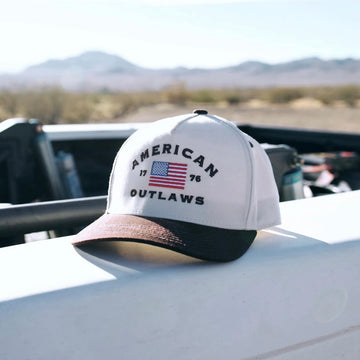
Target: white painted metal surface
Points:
(90, 131)
(294, 295)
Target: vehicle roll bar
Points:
(50, 215)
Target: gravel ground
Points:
(342, 119)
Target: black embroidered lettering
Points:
(200, 160)
(144, 155)
(152, 193)
(166, 149)
(176, 149)
(135, 163)
(172, 197)
(142, 193)
(160, 197)
(185, 153)
(212, 170)
(199, 200)
(186, 198)
(155, 150)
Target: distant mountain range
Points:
(96, 70)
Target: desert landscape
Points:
(99, 87)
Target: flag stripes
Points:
(168, 174)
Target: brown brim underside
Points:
(203, 242)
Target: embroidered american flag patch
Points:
(168, 175)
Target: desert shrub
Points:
(176, 94)
(348, 94)
(326, 95)
(123, 104)
(236, 96)
(150, 97)
(233, 99)
(47, 105)
(9, 104)
(78, 108)
(203, 96)
(55, 105)
(283, 95)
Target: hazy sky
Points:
(154, 33)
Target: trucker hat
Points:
(194, 184)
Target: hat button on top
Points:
(200, 112)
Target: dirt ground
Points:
(297, 115)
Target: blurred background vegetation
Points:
(57, 106)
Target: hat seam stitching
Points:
(191, 116)
(243, 141)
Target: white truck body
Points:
(294, 295)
